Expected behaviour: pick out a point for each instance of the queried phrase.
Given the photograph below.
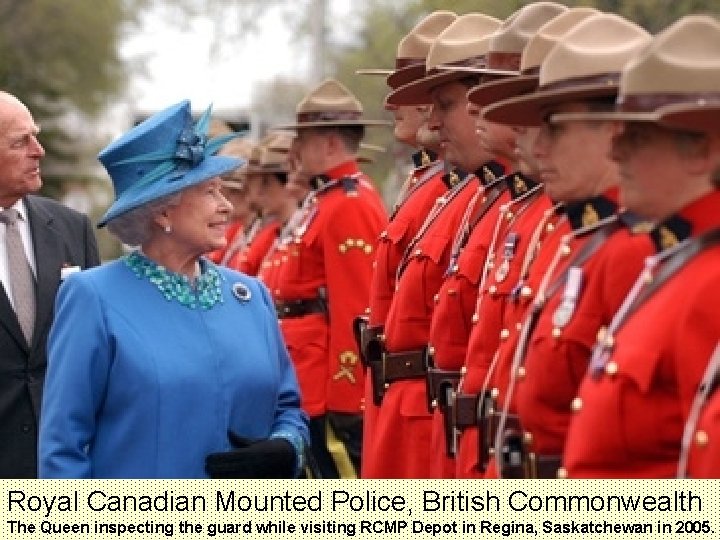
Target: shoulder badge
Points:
(590, 215)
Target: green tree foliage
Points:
(61, 57)
(657, 14)
(385, 22)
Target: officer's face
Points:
(524, 143)
(459, 140)
(312, 149)
(573, 157)
(408, 119)
(653, 163)
(496, 139)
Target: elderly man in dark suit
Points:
(40, 241)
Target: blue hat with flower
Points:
(162, 155)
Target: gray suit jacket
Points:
(61, 237)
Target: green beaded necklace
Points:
(204, 294)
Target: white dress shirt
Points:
(24, 227)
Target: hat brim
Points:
(494, 91)
(530, 109)
(233, 184)
(419, 92)
(267, 170)
(406, 75)
(374, 71)
(626, 116)
(131, 199)
(478, 70)
(335, 123)
(691, 117)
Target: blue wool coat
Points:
(139, 386)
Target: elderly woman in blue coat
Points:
(161, 364)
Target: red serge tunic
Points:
(400, 442)
(512, 253)
(422, 189)
(424, 186)
(457, 297)
(702, 446)
(629, 413)
(328, 256)
(587, 295)
(578, 214)
(249, 259)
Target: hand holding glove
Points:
(264, 458)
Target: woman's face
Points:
(198, 222)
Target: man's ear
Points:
(702, 157)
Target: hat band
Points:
(531, 71)
(327, 116)
(405, 62)
(479, 61)
(605, 79)
(651, 102)
(509, 61)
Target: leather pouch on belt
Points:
(359, 326)
(513, 460)
(446, 400)
(486, 410)
(375, 357)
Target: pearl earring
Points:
(168, 229)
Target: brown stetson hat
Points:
(266, 156)
(585, 64)
(413, 49)
(509, 40)
(675, 81)
(464, 42)
(282, 140)
(537, 48)
(330, 104)
(239, 148)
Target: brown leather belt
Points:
(288, 309)
(544, 465)
(404, 365)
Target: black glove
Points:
(265, 458)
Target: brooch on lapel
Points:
(241, 292)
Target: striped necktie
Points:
(22, 280)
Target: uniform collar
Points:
(490, 171)
(423, 158)
(454, 178)
(590, 211)
(344, 170)
(519, 184)
(695, 219)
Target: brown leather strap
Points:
(287, 309)
(405, 365)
